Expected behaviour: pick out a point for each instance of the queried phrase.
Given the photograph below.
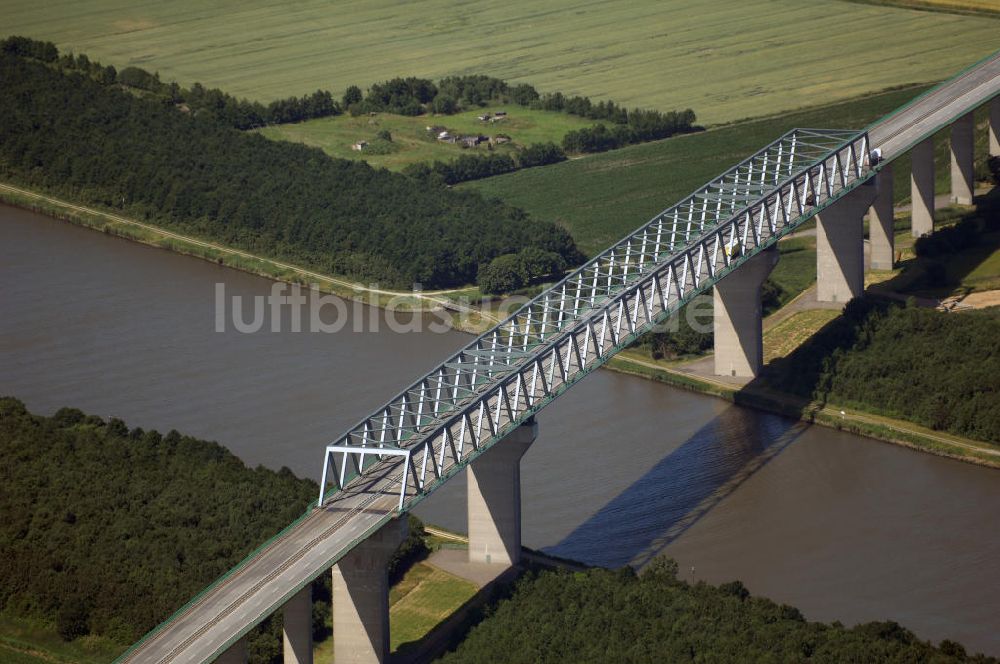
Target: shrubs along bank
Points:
(940, 370)
(602, 616)
(99, 145)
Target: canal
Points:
(624, 469)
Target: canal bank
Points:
(474, 320)
(841, 418)
(461, 317)
(624, 469)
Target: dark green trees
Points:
(68, 134)
(507, 273)
(602, 616)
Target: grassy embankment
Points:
(411, 141)
(652, 54)
(838, 417)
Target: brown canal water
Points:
(624, 469)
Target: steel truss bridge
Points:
(445, 419)
(393, 458)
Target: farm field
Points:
(335, 135)
(963, 6)
(602, 197)
(727, 60)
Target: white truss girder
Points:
(438, 424)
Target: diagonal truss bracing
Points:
(446, 418)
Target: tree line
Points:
(475, 167)
(401, 95)
(415, 96)
(639, 127)
(603, 615)
(99, 145)
(239, 113)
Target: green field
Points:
(602, 197)
(414, 143)
(726, 59)
(989, 7)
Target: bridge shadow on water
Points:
(680, 489)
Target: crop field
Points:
(413, 143)
(961, 6)
(600, 198)
(728, 59)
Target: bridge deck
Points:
(233, 605)
(897, 133)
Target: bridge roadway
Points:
(897, 133)
(224, 612)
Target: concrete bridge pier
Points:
(880, 232)
(962, 150)
(495, 499)
(297, 630)
(840, 248)
(361, 598)
(922, 188)
(236, 654)
(995, 127)
(739, 337)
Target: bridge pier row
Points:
(361, 598)
(297, 630)
(922, 188)
(994, 127)
(236, 654)
(840, 246)
(962, 151)
(739, 337)
(494, 499)
(881, 236)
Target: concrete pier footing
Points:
(962, 150)
(494, 499)
(840, 248)
(922, 187)
(236, 654)
(995, 127)
(297, 630)
(361, 598)
(739, 346)
(880, 232)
